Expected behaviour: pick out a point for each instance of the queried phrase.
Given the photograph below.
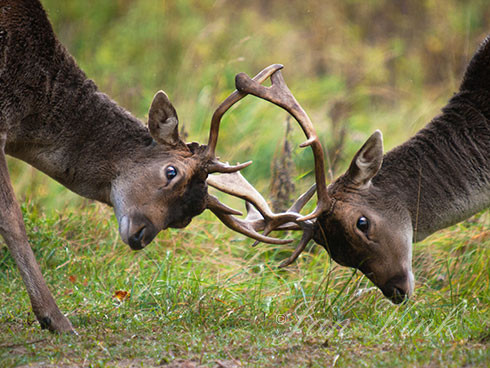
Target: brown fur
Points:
(437, 178)
(53, 117)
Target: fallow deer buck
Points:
(369, 217)
(54, 118)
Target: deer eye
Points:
(170, 172)
(363, 224)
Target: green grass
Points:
(203, 296)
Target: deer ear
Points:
(367, 161)
(163, 121)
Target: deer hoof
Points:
(57, 323)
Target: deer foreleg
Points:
(13, 231)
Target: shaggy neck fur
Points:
(55, 118)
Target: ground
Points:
(204, 298)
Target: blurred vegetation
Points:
(356, 66)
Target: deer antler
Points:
(215, 165)
(223, 212)
(260, 217)
(279, 94)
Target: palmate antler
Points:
(260, 217)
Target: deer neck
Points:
(442, 174)
(74, 133)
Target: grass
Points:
(204, 297)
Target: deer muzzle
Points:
(399, 288)
(136, 231)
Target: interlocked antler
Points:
(261, 217)
(279, 94)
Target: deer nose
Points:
(398, 295)
(136, 239)
(399, 288)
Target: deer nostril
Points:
(399, 295)
(136, 238)
(139, 235)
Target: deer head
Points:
(165, 185)
(352, 220)
(366, 229)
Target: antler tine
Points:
(220, 167)
(302, 200)
(279, 94)
(242, 226)
(236, 185)
(307, 226)
(284, 222)
(305, 239)
(236, 96)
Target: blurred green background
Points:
(354, 65)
